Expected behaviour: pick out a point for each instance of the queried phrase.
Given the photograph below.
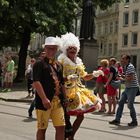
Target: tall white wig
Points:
(69, 39)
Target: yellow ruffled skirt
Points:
(81, 100)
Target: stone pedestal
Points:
(89, 54)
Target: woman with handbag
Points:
(111, 91)
(101, 80)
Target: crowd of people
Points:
(59, 89)
(60, 92)
(57, 83)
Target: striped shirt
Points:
(131, 70)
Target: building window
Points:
(101, 48)
(116, 26)
(125, 18)
(111, 27)
(125, 40)
(135, 16)
(110, 49)
(105, 49)
(115, 49)
(105, 28)
(134, 39)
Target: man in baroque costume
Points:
(80, 99)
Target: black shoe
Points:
(29, 114)
(115, 122)
(133, 123)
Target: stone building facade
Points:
(129, 31)
(118, 31)
(107, 31)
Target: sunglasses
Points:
(71, 47)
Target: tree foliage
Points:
(50, 17)
(20, 18)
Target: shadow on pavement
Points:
(17, 115)
(122, 127)
(28, 119)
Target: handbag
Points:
(115, 84)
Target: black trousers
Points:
(29, 86)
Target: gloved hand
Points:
(97, 73)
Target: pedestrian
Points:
(32, 105)
(80, 99)
(48, 83)
(101, 81)
(120, 68)
(9, 73)
(42, 55)
(111, 91)
(129, 94)
(120, 73)
(29, 76)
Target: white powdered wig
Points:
(69, 39)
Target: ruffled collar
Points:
(63, 58)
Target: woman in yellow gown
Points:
(80, 99)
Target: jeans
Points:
(129, 95)
(31, 108)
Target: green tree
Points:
(20, 18)
(8, 36)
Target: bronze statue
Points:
(87, 24)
